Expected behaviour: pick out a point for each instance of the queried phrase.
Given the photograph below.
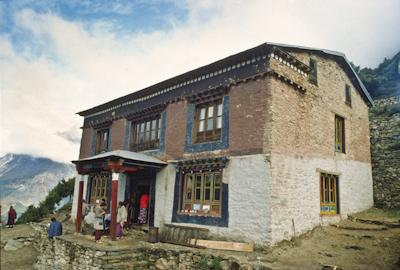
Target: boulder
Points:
(13, 245)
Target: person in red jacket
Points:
(143, 205)
(12, 215)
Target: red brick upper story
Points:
(264, 100)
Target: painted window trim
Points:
(222, 143)
(155, 151)
(94, 139)
(222, 221)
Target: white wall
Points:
(78, 177)
(295, 200)
(248, 178)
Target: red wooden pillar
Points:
(114, 202)
(79, 209)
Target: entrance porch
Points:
(118, 176)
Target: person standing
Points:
(143, 205)
(55, 228)
(99, 223)
(12, 215)
(122, 216)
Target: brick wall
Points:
(304, 123)
(175, 129)
(118, 134)
(86, 143)
(247, 116)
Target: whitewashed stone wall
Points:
(295, 199)
(248, 179)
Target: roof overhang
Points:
(338, 56)
(118, 160)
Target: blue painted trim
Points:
(127, 135)
(161, 150)
(109, 139)
(222, 221)
(162, 133)
(94, 137)
(223, 143)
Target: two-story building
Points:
(259, 146)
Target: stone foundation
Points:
(63, 253)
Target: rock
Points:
(246, 267)
(13, 245)
(162, 264)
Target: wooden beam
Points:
(235, 246)
(78, 221)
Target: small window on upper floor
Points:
(339, 134)
(145, 134)
(348, 95)
(102, 138)
(208, 121)
(314, 72)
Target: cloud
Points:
(65, 66)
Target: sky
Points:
(64, 56)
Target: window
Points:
(99, 187)
(202, 194)
(145, 135)
(339, 134)
(329, 194)
(208, 122)
(102, 141)
(314, 73)
(348, 95)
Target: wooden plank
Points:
(187, 227)
(236, 246)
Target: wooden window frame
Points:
(329, 194)
(340, 135)
(347, 95)
(200, 206)
(99, 186)
(101, 143)
(208, 133)
(313, 77)
(148, 143)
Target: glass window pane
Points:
(153, 135)
(201, 126)
(210, 124)
(189, 187)
(142, 127)
(219, 109)
(203, 113)
(210, 111)
(148, 125)
(219, 122)
(141, 137)
(154, 124)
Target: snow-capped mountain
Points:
(26, 180)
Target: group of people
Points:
(125, 212)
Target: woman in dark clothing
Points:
(12, 215)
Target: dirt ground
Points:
(349, 244)
(20, 259)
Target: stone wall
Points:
(385, 148)
(303, 145)
(64, 253)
